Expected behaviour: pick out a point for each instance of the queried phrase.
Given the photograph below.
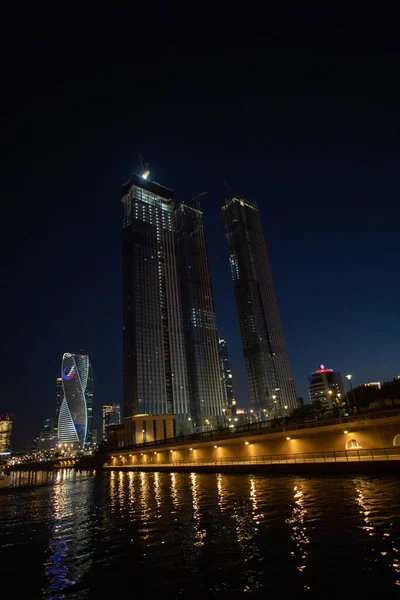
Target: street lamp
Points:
(350, 377)
(275, 403)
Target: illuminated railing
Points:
(340, 456)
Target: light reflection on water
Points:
(74, 535)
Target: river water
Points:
(123, 535)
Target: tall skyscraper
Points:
(270, 382)
(226, 373)
(154, 365)
(59, 399)
(6, 423)
(206, 392)
(75, 420)
(111, 416)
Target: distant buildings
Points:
(48, 437)
(75, 421)
(373, 384)
(6, 423)
(327, 386)
(226, 374)
(154, 357)
(267, 364)
(206, 392)
(111, 416)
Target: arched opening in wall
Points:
(353, 445)
(396, 440)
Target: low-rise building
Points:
(327, 386)
(141, 429)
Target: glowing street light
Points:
(349, 376)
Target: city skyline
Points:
(316, 147)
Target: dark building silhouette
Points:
(226, 373)
(270, 382)
(206, 392)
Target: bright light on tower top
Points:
(146, 174)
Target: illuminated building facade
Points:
(226, 373)
(75, 419)
(154, 362)
(111, 416)
(59, 399)
(267, 364)
(6, 423)
(327, 386)
(206, 392)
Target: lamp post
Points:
(355, 407)
(274, 407)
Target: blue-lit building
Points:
(75, 420)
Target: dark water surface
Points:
(148, 535)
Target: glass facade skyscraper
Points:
(271, 385)
(75, 419)
(154, 364)
(206, 392)
(59, 399)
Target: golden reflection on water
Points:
(253, 499)
(174, 491)
(113, 487)
(246, 531)
(121, 490)
(131, 495)
(200, 534)
(157, 492)
(299, 532)
(384, 544)
(220, 491)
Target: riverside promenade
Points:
(361, 443)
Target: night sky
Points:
(298, 111)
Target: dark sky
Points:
(299, 110)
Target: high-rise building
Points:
(6, 423)
(271, 385)
(111, 416)
(154, 364)
(206, 392)
(48, 437)
(226, 374)
(59, 399)
(326, 385)
(89, 393)
(75, 420)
